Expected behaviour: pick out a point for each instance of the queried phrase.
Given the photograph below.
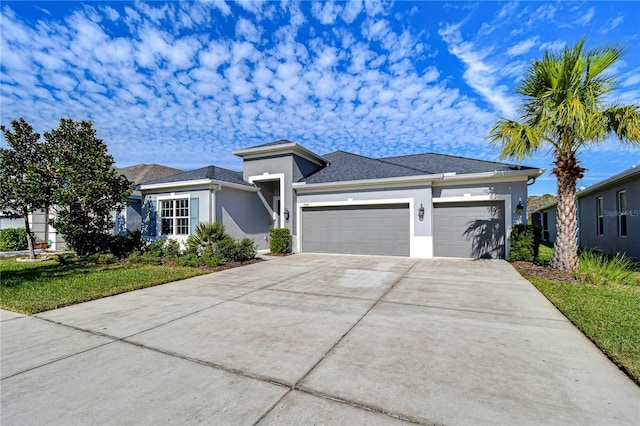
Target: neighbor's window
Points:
(622, 213)
(175, 216)
(599, 216)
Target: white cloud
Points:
(245, 29)
(554, 46)
(326, 13)
(523, 47)
(351, 10)
(586, 17)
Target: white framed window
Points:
(599, 216)
(174, 216)
(622, 213)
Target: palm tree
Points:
(564, 110)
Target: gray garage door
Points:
(375, 229)
(471, 230)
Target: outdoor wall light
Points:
(421, 212)
(520, 208)
(286, 215)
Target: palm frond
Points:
(624, 122)
(515, 140)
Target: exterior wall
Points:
(421, 244)
(611, 242)
(150, 211)
(243, 215)
(551, 225)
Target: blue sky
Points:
(185, 83)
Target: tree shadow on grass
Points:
(13, 278)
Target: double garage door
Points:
(468, 230)
(371, 229)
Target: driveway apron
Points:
(321, 339)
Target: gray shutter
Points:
(194, 212)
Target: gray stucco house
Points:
(422, 205)
(608, 215)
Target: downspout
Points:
(212, 203)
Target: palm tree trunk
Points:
(565, 249)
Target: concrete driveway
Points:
(314, 339)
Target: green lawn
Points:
(39, 286)
(608, 315)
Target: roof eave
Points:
(629, 173)
(209, 183)
(284, 148)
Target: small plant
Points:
(279, 240)
(246, 250)
(123, 245)
(597, 268)
(525, 242)
(205, 237)
(12, 239)
(189, 259)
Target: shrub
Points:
(123, 245)
(205, 237)
(597, 268)
(66, 258)
(100, 258)
(146, 258)
(12, 239)
(246, 250)
(525, 242)
(279, 240)
(172, 249)
(189, 259)
(225, 249)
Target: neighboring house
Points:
(608, 215)
(546, 218)
(129, 219)
(421, 205)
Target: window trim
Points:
(174, 218)
(599, 216)
(622, 213)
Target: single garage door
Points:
(469, 229)
(371, 229)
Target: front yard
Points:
(34, 287)
(609, 315)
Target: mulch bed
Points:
(530, 268)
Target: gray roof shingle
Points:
(208, 172)
(141, 173)
(432, 163)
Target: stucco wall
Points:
(611, 242)
(243, 215)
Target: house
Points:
(422, 205)
(130, 218)
(608, 215)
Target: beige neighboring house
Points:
(128, 219)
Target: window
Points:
(599, 216)
(175, 217)
(545, 226)
(622, 213)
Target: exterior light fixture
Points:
(286, 215)
(421, 212)
(520, 208)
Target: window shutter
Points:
(194, 212)
(153, 215)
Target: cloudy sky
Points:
(185, 83)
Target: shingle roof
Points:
(346, 166)
(432, 163)
(141, 173)
(208, 172)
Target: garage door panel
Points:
(374, 229)
(473, 229)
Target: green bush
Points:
(100, 258)
(597, 268)
(525, 242)
(279, 240)
(12, 239)
(146, 258)
(205, 237)
(123, 245)
(189, 259)
(246, 250)
(225, 249)
(66, 258)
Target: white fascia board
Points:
(200, 183)
(285, 148)
(629, 173)
(495, 176)
(367, 183)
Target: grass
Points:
(608, 315)
(545, 252)
(32, 287)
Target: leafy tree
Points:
(23, 172)
(564, 110)
(87, 188)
